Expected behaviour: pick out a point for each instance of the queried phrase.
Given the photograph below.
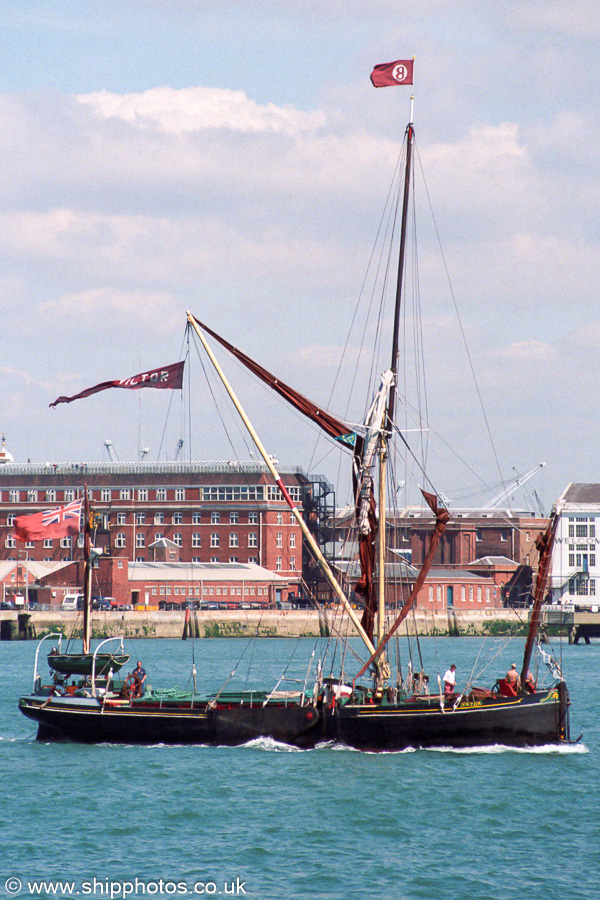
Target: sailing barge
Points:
(370, 711)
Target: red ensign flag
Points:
(52, 523)
(387, 74)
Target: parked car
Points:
(7, 604)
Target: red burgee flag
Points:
(170, 377)
(387, 74)
(52, 523)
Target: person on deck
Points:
(138, 677)
(450, 680)
(513, 678)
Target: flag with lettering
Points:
(398, 72)
(51, 523)
(169, 377)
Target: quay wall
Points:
(245, 623)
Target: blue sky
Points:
(233, 158)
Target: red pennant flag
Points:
(52, 523)
(387, 74)
(170, 377)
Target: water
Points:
(271, 823)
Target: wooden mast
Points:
(87, 574)
(388, 422)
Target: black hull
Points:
(528, 720)
(86, 722)
(525, 721)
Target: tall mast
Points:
(387, 424)
(400, 279)
(87, 574)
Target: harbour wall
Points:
(246, 623)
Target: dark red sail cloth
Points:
(442, 517)
(544, 545)
(165, 377)
(330, 425)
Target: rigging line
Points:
(461, 327)
(168, 413)
(218, 407)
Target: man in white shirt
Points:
(450, 680)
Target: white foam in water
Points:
(268, 743)
(543, 749)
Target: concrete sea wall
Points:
(243, 623)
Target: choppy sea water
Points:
(271, 823)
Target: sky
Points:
(232, 158)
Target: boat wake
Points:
(491, 749)
(271, 745)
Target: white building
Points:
(574, 573)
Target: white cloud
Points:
(198, 108)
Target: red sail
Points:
(442, 517)
(332, 426)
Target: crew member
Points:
(450, 680)
(513, 678)
(138, 677)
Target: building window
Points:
(478, 534)
(196, 559)
(159, 518)
(581, 528)
(180, 493)
(51, 496)
(125, 494)
(142, 494)
(234, 518)
(69, 496)
(479, 593)
(178, 539)
(120, 541)
(253, 539)
(215, 540)
(571, 560)
(140, 518)
(279, 539)
(65, 543)
(278, 564)
(177, 519)
(105, 495)
(213, 559)
(121, 518)
(463, 593)
(253, 559)
(13, 496)
(10, 541)
(32, 496)
(280, 518)
(140, 540)
(293, 563)
(29, 545)
(234, 539)
(161, 494)
(10, 519)
(233, 559)
(158, 536)
(504, 535)
(47, 543)
(196, 539)
(292, 539)
(253, 518)
(215, 518)
(196, 518)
